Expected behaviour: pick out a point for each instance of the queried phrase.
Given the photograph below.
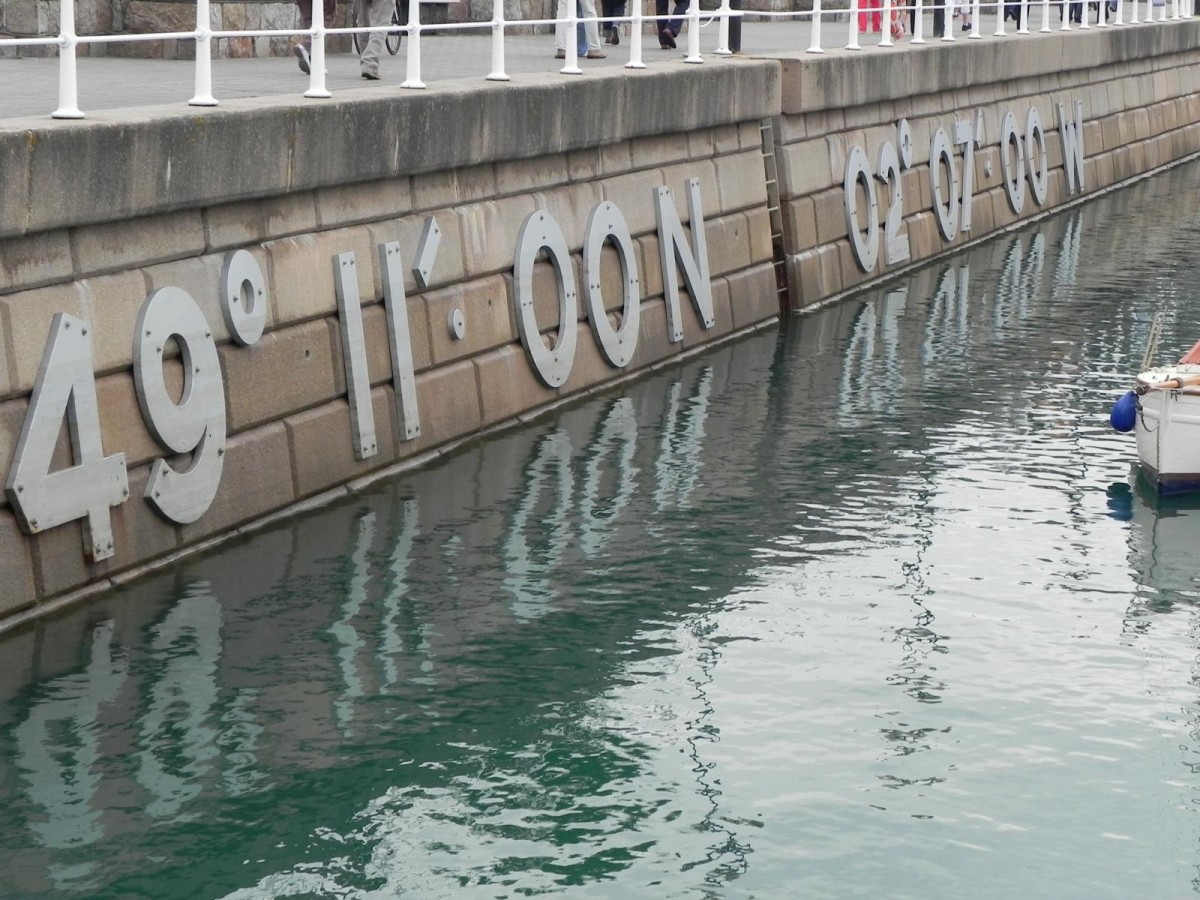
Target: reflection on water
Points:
(870, 606)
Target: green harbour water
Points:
(868, 605)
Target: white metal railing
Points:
(888, 11)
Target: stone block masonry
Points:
(291, 189)
(1135, 90)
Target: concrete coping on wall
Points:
(153, 160)
(811, 83)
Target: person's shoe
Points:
(666, 40)
(560, 54)
(966, 26)
(596, 54)
(616, 35)
(370, 76)
(302, 55)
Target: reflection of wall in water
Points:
(279, 650)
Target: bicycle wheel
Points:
(393, 37)
(360, 39)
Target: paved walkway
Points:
(109, 83)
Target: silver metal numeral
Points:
(1013, 171)
(354, 355)
(244, 297)
(551, 364)
(404, 380)
(946, 209)
(40, 498)
(895, 245)
(1035, 155)
(197, 422)
(858, 171)
(672, 246)
(617, 345)
(427, 248)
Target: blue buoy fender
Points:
(1124, 412)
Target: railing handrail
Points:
(820, 15)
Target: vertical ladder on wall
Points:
(779, 256)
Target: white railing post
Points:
(1120, 9)
(1066, 16)
(204, 96)
(693, 42)
(853, 42)
(722, 30)
(1102, 14)
(316, 59)
(919, 23)
(571, 64)
(412, 72)
(814, 44)
(68, 89)
(635, 38)
(1083, 18)
(975, 35)
(1045, 16)
(1162, 17)
(886, 25)
(497, 73)
(1133, 5)
(999, 32)
(1023, 18)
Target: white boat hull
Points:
(1168, 430)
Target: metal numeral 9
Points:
(194, 425)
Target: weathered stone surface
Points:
(677, 177)
(448, 401)
(489, 233)
(694, 332)
(136, 242)
(804, 168)
(233, 225)
(300, 278)
(507, 385)
(633, 193)
(25, 322)
(201, 278)
(449, 265)
(350, 204)
(758, 222)
(17, 566)
(12, 417)
(485, 309)
(287, 370)
(753, 295)
(323, 451)
(256, 480)
(728, 241)
(800, 224)
(653, 345)
(570, 208)
(121, 416)
(742, 180)
(33, 261)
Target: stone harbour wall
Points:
(288, 188)
(1133, 89)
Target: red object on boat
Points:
(1193, 355)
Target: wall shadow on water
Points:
(285, 711)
